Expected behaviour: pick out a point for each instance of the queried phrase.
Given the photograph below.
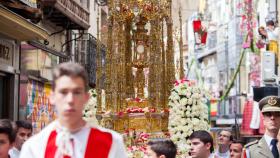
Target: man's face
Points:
(271, 121)
(224, 138)
(22, 135)
(69, 97)
(235, 150)
(199, 149)
(5, 145)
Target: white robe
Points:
(35, 147)
(14, 153)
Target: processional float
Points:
(139, 65)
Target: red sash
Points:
(98, 145)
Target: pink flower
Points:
(176, 83)
(137, 99)
(250, 34)
(134, 110)
(243, 17)
(184, 80)
(120, 113)
(246, 45)
(126, 132)
(152, 110)
(239, 5)
(260, 44)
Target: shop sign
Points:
(6, 52)
(31, 3)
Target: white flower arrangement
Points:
(91, 108)
(188, 113)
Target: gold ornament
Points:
(272, 101)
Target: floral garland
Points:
(140, 110)
(188, 113)
(137, 151)
(136, 142)
(91, 108)
(247, 26)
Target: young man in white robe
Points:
(69, 136)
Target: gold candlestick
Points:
(98, 65)
(182, 74)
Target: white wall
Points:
(56, 40)
(92, 18)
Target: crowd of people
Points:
(202, 145)
(268, 37)
(69, 136)
(14, 134)
(12, 137)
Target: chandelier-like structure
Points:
(140, 59)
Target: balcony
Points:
(17, 27)
(68, 14)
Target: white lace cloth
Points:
(72, 144)
(64, 142)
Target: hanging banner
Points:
(200, 33)
(196, 25)
(214, 107)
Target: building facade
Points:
(37, 35)
(16, 26)
(218, 59)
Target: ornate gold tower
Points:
(140, 69)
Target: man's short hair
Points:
(237, 141)
(227, 130)
(163, 147)
(7, 128)
(69, 69)
(22, 124)
(203, 136)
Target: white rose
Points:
(188, 113)
(190, 101)
(188, 94)
(182, 91)
(183, 101)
